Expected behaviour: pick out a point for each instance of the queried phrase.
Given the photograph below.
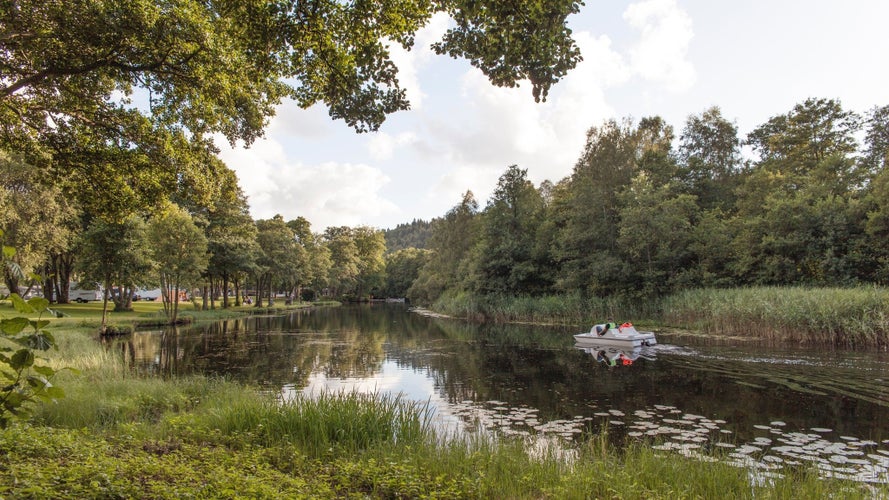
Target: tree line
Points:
(217, 248)
(799, 201)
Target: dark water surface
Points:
(765, 407)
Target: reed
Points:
(835, 316)
(320, 424)
(567, 309)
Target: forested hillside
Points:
(798, 201)
(414, 234)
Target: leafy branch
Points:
(23, 378)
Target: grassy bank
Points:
(63, 463)
(830, 316)
(150, 313)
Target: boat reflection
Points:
(615, 356)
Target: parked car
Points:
(153, 294)
(81, 295)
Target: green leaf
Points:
(42, 341)
(13, 326)
(13, 401)
(38, 303)
(39, 324)
(23, 358)
(38, 383)
(46, 371)
(19, 304)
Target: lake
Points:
(751, 404)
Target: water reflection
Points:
(616, 356)
(747, 403)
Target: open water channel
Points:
(747, 403)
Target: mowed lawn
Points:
(90, 313)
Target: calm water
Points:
(754, 405)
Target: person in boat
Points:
(601, 329)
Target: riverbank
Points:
(151, 314)
(838, 317)
(118, 434)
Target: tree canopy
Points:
(223, 65)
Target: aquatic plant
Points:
(567, 309)
(343, 421)
(836, 316)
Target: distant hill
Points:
(409, 235)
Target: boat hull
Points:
(617, 338)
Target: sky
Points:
(754, 59)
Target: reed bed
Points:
(832, 316)
(567, 309)
(843, 317)
(345, 422)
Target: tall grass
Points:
(829, 316)
(100, 403)
(567, 309)
(320, 424)
(838, 316)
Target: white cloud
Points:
(291, 120)
(660, 54)
(495, 127)
(327, 194)
(450, 187)
(382, 145)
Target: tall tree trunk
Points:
(175, 303)
(105, 293)
(166, 295)
(225, 291)
(63, 266)
(46, 282)
(259, 286)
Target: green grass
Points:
(148, 314)
(40, 462)
(568, 309)
(834, 316)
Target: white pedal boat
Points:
(625, 336)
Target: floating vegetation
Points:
(671, 430)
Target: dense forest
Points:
(803, 199)
(414, 234)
